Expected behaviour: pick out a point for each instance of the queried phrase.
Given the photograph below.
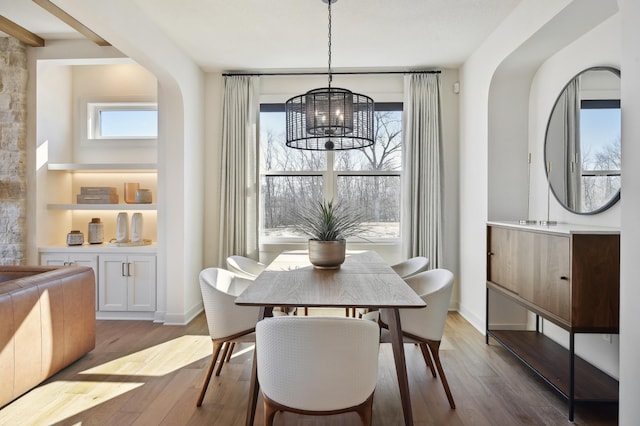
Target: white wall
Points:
(494, 123)
(180, 146)
(599, 47)
(109, 83)
(630, 208)
(476, 76)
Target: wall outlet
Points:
(606, 338)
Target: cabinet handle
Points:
(122, 267)
(128, 269)
(564, 278)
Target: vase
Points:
(130, 189)
(96, 231)
(122, 227)
(136, 228)
(327, 254)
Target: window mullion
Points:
(330, 181)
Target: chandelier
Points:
(329, 118)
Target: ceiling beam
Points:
(71, 21)
(14, 30)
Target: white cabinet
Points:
(69, 259)
(127, 282)
(125, 277)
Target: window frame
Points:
(329, 177)
(93, 121)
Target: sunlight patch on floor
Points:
(158, 360)
(66, 403)
(108, 381)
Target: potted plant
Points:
(329, 225)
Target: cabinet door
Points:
(552, 291)
(54, 259)
(112, 283)
(142, 283)
(510, 258)
(65, 259)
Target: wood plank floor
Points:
(142, 373)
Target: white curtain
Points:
(239, 173)
(421, 183)
(573, 159)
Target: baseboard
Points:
(185, 318)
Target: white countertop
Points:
(98, 248)
(560, 228)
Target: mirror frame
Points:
(613, 200)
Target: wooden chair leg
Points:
(365, 411)
(269, 413)
(435, 347)
(224, 356)
(230, 352)
(216, 351)
(427, 358)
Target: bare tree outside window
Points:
(601, 165)
(368, 179)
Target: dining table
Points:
(364, 280)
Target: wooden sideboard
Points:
(568, 275)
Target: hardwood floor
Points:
(142, 373)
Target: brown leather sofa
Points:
(47, 321)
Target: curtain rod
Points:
(333, 73)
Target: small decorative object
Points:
(548, 222)
(97, 195)
(96, 231)
(528, 221)
(75, 238)
(130, 189)
(122, 227)
(136, 228)
(143, 196)
(329, 224)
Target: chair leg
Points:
(269, 412)
(435, 348)
(233, 346)
(216, 351)
(365, 411)
(427, 358)
(224, 356)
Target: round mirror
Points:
(582, 143)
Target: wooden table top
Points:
(364, 280)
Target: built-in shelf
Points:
(105, 168)
(102, 206)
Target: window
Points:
(122, 120)
(600, 151)
(368, 178)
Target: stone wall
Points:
(13, 125)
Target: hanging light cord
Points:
(329, 44)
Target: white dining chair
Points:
(311, 376)
(228, 323)
(411, 267)
(425, 326)
(405, 269)
(245, 267)
(250, 269)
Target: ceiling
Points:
(292, 34)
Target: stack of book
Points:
(97, 195)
